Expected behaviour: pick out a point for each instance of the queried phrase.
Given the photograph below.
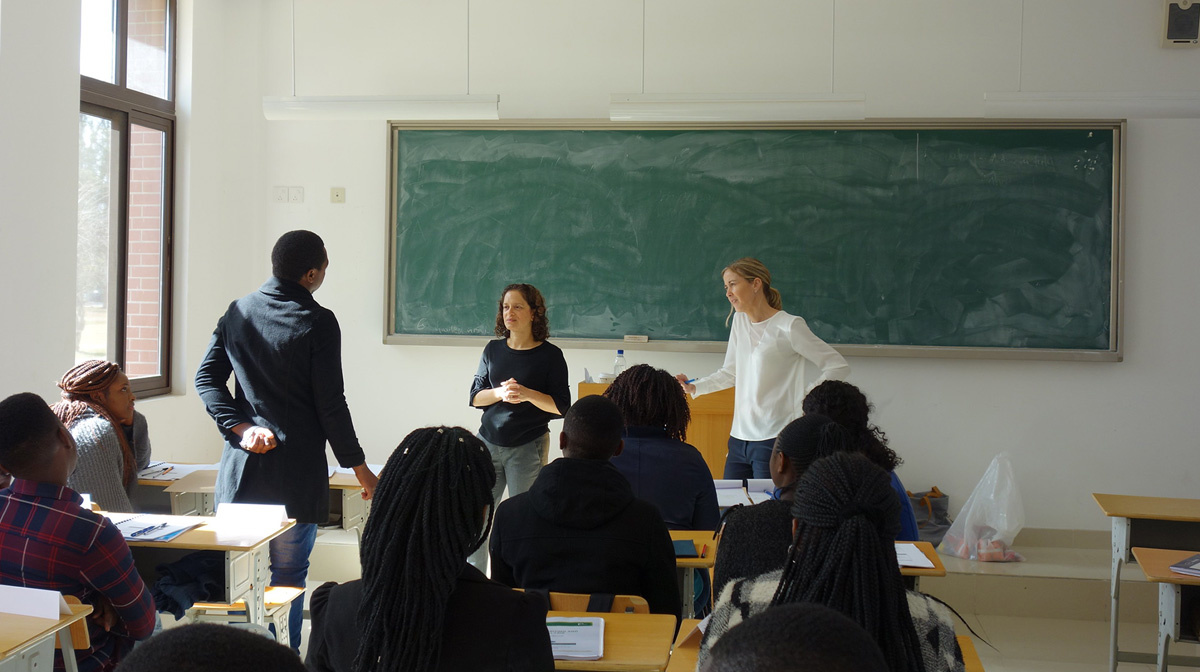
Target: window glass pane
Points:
(98, 41)
(147, 47)
(144, 267)
(99, 162)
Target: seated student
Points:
(801, 636)
(843, 555)
(579, 529)
(209, 647)
(49, 541)
(661, 468)
(114, 444)
(419, 606)
(755, 539)
(848, 406)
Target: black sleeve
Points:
(482, 380)
(559, 386)
(501, 572)
(660, 587)
(317, 659)
(212, 385)
(329, 392)
(529, 648)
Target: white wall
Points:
(1071, 428)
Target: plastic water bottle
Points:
(619, 363)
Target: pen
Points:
(692, 381)
(704, 550)
(166, 471)
(147, 530)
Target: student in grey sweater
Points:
(113, 440)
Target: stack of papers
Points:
(1189, 566)
(908, 555)
(576, 638)
(730, 493)
(760, 489)
(152, 527)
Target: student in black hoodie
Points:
(579, 529)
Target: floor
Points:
(1055, 645)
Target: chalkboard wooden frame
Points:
(1115, 290)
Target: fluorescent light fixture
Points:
(1122, 105)
(738, 107)
(388, 108)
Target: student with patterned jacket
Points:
(843, 555)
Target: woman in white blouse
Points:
(765, 360)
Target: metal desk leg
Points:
(1120, 552)
(256, 607)
(68, 650)
(1169, 610)
(689, 592)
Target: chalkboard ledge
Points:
(1044, 354)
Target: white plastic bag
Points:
(990, 520)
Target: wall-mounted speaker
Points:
(1181, 23)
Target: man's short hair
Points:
(27, 428)
(295, 253)
(799, 636)
(208, 647)
(593, 427)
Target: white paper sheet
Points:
(576, 638)
(909, 555)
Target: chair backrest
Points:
(627, 604)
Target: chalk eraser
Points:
(634, 338)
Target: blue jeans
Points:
(517, 467)
(289, 567)
(748, 459)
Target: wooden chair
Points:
(627, 604)
(278, 604)
(80, 639)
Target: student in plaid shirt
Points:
(48, 540)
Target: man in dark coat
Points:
(285, 352)
(579, 529)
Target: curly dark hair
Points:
(650, 397)
(537, 306)
(846, 405)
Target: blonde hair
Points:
(752, 269)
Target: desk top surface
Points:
(1153, 508)
(686, 648)
(1156, 565)
(938, 568)
(632, 642)
(701, 538)
(210, 537)
(205, 481)
(17, 631)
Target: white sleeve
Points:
(725, 376)
(833, 366)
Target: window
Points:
(126, 150)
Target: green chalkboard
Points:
(954, 238)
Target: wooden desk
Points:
(712, 419)
(247, 560)
(632, 642)
(913, 574)
(689, 566)
(193, 495)
(971, 660)
(686, 649)
(1148, 522)
(1174, 591)
(27, 644)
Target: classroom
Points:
(1071, 428)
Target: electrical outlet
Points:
(337, 195)
(295, 194)
(279, 194)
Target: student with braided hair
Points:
(113, 440)
(419, 605)
(663, 470)
(843, 555)
(848, 406)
